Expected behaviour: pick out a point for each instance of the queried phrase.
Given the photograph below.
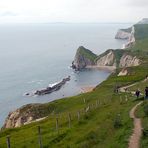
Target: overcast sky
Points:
(72, 10)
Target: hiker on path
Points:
(146, 93)
(137, 93)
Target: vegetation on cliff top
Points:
(86, 53)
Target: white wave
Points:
(53, 84)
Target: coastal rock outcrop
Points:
(110, 59)
(83, 58)
(143, 21)
(123, 34)
(57, 86)
(27, 114)
(128, 61)
(128, 34)
(123, 72)
(106, 59)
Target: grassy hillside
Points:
(106, 124)
(86, 53)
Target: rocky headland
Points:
(110, 59)
(26, 114)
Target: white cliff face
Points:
(128, 35)
(16, 119)
(131, 39)
(128, 61)
(107, 60)
(123, 35)
(123, 72)
(81, 62)
(143, 21)
(27, 114)
(83, 58)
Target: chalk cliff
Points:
(83, 58)
(106, 59)
(111, 58)
(27, 114)
(123, 34)
(143, 21)
(128, 61)
(128, 34)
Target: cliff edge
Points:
(83, 58)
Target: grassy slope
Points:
(94, 129)
(86, 53)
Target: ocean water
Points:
(32, 56)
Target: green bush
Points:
(146, 109)
(145, 132)
(117, 121)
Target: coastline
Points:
(87, 89)
(110, 69)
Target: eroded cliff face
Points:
(128, 61)
(107, 60)
(122, 34)
(143, 21)
(26, 114)
(111, 58)
(128, 34)
(83, 58)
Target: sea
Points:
(33, 56)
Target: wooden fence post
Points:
(57, 124)
(120, 100)
(96, 103)
(40, 138)
(78, 114)
(84, 100)
(8, 141)
(69, 120)
(126, 99)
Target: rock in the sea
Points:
(83, 58)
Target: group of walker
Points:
(137, 93)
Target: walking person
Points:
(146, 93)
(137, 93)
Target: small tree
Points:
(146, 109)
(117, 121)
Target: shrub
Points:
(145, 132)
(117, 121)
(146, 109)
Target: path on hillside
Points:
(125, 88)
(134, 141)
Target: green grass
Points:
(86, 53)
(93, 130)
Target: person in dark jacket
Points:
(146, 92)
(137, 93)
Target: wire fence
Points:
(61, 123)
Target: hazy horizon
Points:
(72, 11)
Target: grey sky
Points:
(72, 10)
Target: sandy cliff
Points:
(27, 114)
